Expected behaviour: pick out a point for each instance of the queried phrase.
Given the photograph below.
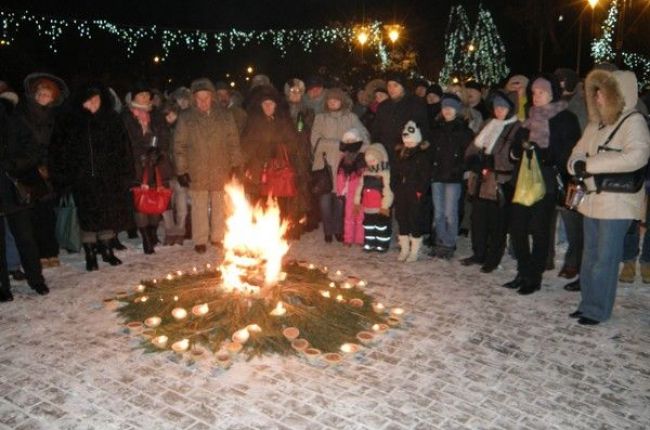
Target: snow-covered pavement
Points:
(474, 355)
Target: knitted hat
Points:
(396, 77)
(435, 89)
(569, 77)
(202, 84)
(502, 99)
(451, 100)
(140, 86)
(314, 81)
(353, 135)
(473, 85)
(221, 85)
(549, 83)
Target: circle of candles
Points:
(179, 313)
(152, 322)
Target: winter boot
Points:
(117, 245)
(628, 272)
(645, 273)
(404, 247)
(5, 288)
(147, 241)
(416, 244)
(107, 253)
(91, 257)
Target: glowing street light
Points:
(471, 47)
(362, 37)
(156, 59)
(592, 3)
(249, 70)
(393, 31)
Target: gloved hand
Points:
(184, 180)
(580, 168)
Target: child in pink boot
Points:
(349, 172)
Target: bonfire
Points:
(254, 302)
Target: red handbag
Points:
(151, 201)
(278, 176)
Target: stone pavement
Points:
(474, 356)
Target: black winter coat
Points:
(412, 171)
(391, 117)
(449, 141)
(143, 153)
(90, 154)
(19, 154)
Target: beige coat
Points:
(619, 89)
(207, 147)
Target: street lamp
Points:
(249, 70)
(393, 31)
(592, 3)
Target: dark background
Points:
(522, 25)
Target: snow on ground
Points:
(473, 355)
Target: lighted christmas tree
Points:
(457, 37)
(602, 48)
(487, 54)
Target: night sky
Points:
(520, 23)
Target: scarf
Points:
(488, 136)
(143, 117)
(537, 122)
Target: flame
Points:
(254, 245)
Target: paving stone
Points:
(467, 357)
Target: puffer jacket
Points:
(327, 132)
(630, 146)
(206, 145)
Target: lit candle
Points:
(340, 299)
(170, 277)
(325, 294)
(179, 273)
(349, 348)
(160, 341)
(179, 313)
(397, 312)
(279, 310)
(379, 328)
(181, 345)
(152, 322)
(241, 336)
(254, 328)
(144, 299)
(175, 298)
(200, 310)
(378, 307)
(311, 266)
(332, 285)
(346, 285)
(208, 265)
(194, 269)
(361, 284)
(140, 288)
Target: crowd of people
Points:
(406, 160)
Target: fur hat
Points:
(411, 135)
(451, 100)
(202, 84)
(181, 93)
(59, 89)
(339, 94)
(619, 88)
(376, 152)
(294, 83)
(569, 77)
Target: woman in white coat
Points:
(616, 140)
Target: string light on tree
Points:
(456, 38)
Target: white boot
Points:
(404, 247)
(416, 244)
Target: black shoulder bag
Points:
(627, 182)
(321, 179)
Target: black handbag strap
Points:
(613, 133)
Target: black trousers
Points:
(20, 224)
(44, 224)
(534, 221)
(410, 214)
(489, 231)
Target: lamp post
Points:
(593, 4)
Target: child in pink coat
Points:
(348, 174)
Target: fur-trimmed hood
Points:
(30, 86)
(337, 93)
(619, 89)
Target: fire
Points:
(254, 245)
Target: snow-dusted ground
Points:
(474, 355)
